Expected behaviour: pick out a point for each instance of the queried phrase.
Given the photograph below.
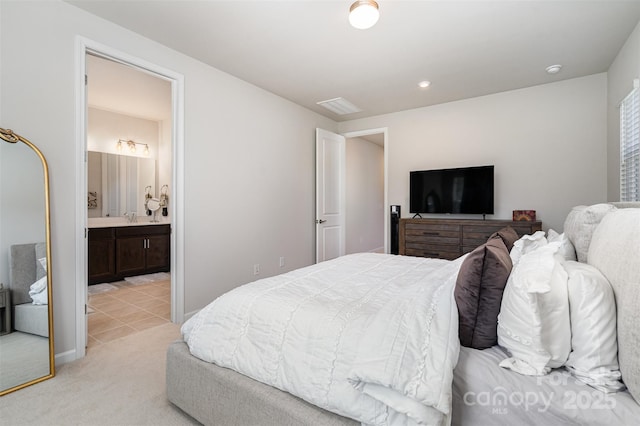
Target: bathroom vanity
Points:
(120, 249)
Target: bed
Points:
(27, 266)
(419, 373)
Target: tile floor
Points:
(128, 310)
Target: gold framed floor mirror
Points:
(26, 308)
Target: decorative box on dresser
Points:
(451, 238)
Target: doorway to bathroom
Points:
(130, 260)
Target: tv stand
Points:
(451, 238)
(416, 216)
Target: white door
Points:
(330, 195)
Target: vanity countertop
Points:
(109, 222)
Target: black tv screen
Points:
(467, 190)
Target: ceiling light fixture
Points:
(363, 14)
(424, 84)
(553, 69)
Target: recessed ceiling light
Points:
(554, 69)
(424, 84)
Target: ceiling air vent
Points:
(339, 106)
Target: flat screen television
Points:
(466, 190)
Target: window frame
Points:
(630, 145)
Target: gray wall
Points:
(548, 145)
(365, 196)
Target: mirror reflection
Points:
(26, 341)
(119, 184)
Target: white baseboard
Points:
(188, 315)
(65, 357)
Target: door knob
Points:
(318, 221)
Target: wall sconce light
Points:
(131, 145)
(363, 14)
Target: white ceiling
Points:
(306, 51)
(120, 88)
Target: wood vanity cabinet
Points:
(119, 252)
(102, 251)
(451, 238)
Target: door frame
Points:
(385, 147)
(82, 48)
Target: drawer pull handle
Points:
(430, 233)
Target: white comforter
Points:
(369, 336)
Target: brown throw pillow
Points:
(478, 293)
(508, 236)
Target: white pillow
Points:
(580, 224)
(594, 356)
(526, 244)
(38, 292)
(533, 324)
(567, 251)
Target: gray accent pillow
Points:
(478, 293)
(580, 224)
(508, 236)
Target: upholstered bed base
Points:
(30, 318)
(218, 396)
(24, 270)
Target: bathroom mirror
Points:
(26, 309)
(117, 184)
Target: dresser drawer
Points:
(450, 238)
(432, 233)
(475, 235)
(438, 252)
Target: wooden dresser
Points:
(451, 238)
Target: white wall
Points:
(623, 70)
(106, 128)
(364, 196)
(249, 155)
(548, 145)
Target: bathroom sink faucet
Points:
(131, 217)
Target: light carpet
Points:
(117, 383)
(23, 357)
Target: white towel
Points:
(38, 292)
